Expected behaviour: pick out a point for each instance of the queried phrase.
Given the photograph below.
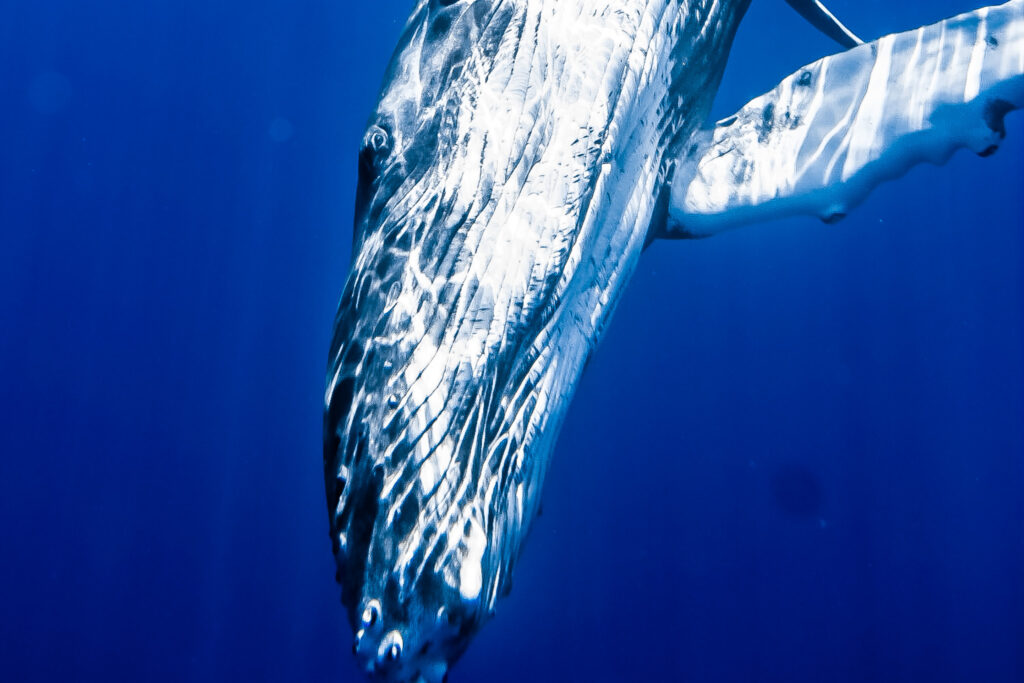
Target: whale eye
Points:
(377, 142)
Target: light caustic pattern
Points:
(508, 179)
(829, 133)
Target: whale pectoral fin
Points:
(828, 134)
(826, 22)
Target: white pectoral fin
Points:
(828, 134)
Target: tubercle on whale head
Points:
(392, 653)
(420, 650)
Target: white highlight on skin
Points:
(973, 85)
(471, 569)
(848, 122)
(550, 105)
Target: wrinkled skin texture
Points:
(520, 158)
(507, 182)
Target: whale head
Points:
(507, 178)
(404, 441)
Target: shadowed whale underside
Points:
(521, 156)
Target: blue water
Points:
(798, 455)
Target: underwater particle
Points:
(281, 130)
(49, 92)
(797, 491)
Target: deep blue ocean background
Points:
(798, 455)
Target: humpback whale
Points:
(521, 156)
